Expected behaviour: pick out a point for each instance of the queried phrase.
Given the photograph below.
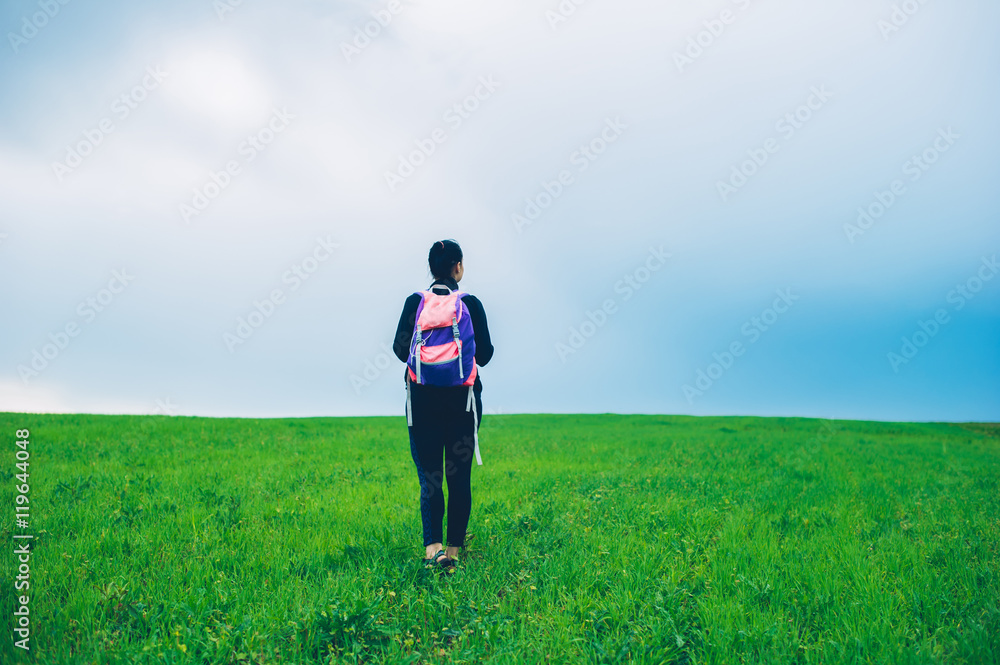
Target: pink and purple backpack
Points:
(443, 349)
(443, 346)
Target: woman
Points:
(440, 421)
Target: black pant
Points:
(441, 424)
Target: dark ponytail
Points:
(443, 257)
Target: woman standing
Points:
(441, 421)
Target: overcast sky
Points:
(725, 207)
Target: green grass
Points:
(594, 539)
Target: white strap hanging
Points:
(471, 403)
(409, 406)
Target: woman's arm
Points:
(404, 329)
(484, 346)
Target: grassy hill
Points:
(593, 539)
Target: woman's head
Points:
(445, 260)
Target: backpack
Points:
(443, 348)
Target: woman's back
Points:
(443, 420)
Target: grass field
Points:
(594, 539)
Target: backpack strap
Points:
(409, 404)
(419, 334)
(458, 340)
(470, 404)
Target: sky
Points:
(729, 207)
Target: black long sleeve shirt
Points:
(404, 330)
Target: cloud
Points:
(217, 86)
